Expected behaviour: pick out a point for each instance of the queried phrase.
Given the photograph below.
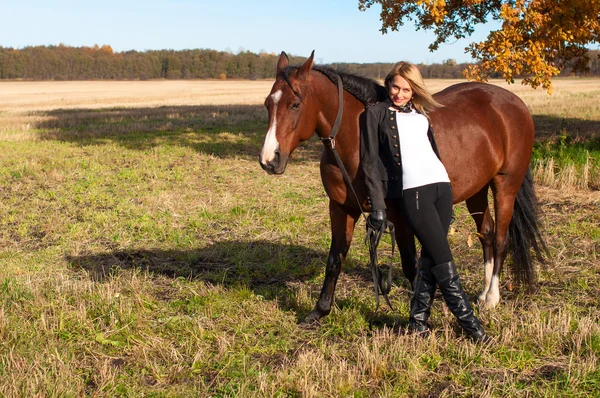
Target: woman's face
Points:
(400, 91)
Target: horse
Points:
(485, 137)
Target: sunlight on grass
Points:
(145, 253)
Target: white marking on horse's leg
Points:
(488, 269)
(493, 295)
(271, 144)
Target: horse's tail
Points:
(524, 233)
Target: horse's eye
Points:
(295, 105)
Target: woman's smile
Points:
(400, 91)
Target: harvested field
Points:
(143, 252)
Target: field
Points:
(143, 252)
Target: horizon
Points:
(99, 46)
(270, 26)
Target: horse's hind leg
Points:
(480, 211)
(342, 228)
(505, 191)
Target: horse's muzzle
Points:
(275, 166)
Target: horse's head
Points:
(292, 114)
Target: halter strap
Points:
(338, 119)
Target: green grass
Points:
(572, 161)
(567, 149)
(143, 254)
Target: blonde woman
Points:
(402, 166)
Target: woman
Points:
(401, 164)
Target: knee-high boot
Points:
(447, 278)
(420, 303)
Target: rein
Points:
(381, 286)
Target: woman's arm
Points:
(369, 137)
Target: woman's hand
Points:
(377, 218)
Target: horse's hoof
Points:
(490, 302)
(313, 319)
(481, 298)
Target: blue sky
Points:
(335, 29)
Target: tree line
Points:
(102, 63)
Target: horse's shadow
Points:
(271, 270)
(268, 269)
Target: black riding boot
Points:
(420, 304)
(447, 278)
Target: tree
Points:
(537, 39)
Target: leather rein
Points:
(381, 286)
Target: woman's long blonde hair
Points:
(422, 99)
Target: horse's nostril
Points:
(267, 166)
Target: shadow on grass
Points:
(265, 267)
(220, 130)
(549, 127)
(231, 263)
(268, 269)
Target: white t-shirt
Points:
(420, 165)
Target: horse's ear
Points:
(283, 62)
(306, 67)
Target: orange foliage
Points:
(107, 50)
(536, 40)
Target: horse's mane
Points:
(366, 90)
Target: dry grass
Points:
(36, 96)
(144, 253)
(570, 113)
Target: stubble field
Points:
(143, 252)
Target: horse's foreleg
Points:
(342, 228)
(480, 211)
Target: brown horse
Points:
(485, 138)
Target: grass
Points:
(567, 152)
(565, 162)
(143, 252)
